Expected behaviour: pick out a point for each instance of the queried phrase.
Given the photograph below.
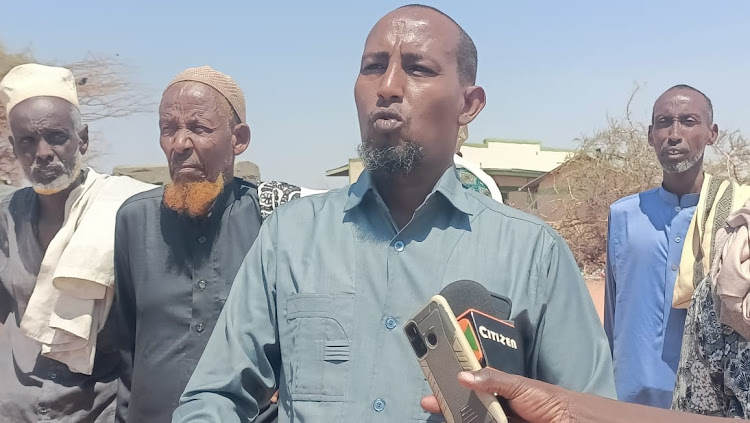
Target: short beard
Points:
(681, 166)
(63, 182)
(401, 159)
(193, 199)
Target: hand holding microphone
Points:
(445, 346)
(532, 401)
(528, 400)
(482, 317)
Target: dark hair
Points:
(688, 87)
(466, 53)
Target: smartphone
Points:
(443, 351)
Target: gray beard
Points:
(681, 166)
(63, 182)
(401, 159)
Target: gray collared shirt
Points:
(35, 388)
(318, 305)
(173, 275)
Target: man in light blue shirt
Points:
(644, 244)
(318, 306)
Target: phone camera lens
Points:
(431, 339)
(415, 339)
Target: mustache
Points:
(185, 164)
(51, 166)
(670, 150)
(385, 114)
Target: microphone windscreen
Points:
(465, 294)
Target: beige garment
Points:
(34, 80)
(730, 273)
(718, 199)
(463, 135)
(74, 288)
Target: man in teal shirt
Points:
(317, 308)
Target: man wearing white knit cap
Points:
(178, 247)
(56, 269)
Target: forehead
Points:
(40, 113)
(190, 94)
(415, 30)
(681, 101)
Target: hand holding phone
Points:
(443, 352)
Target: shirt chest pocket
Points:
(320, 329)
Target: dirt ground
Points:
(596, 289)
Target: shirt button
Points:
(201, 284)
(43, 410)
(678, 240)
(390, 323)
(674, 267)
(53, 376)
(378, 405)
(677, 209)
(399, 246)
(202, 239)
(199, 327)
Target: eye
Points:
(58, 137)
(662, 122)
(166, 129)
(420, 70)
(373, 68)
(200, 130)
(690, 122)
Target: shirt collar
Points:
(228, 195)
(672, 199)
(448, 186)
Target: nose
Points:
(391, 89)
(44, 153)
(182, 142)
(675, 132)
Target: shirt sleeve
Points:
(122, 316)
(571, 347)
(700, 374)
(610, 288)
(239, 369)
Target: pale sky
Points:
(553, 70)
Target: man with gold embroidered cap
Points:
(57, 363)
(178, 247)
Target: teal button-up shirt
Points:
(313, 307)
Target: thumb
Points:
(493, 382)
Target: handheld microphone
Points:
(483, 318)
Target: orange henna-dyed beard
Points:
(193, 199)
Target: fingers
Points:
(430, 404)
(275, 397)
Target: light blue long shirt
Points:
(317, 307)
(644, 244)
